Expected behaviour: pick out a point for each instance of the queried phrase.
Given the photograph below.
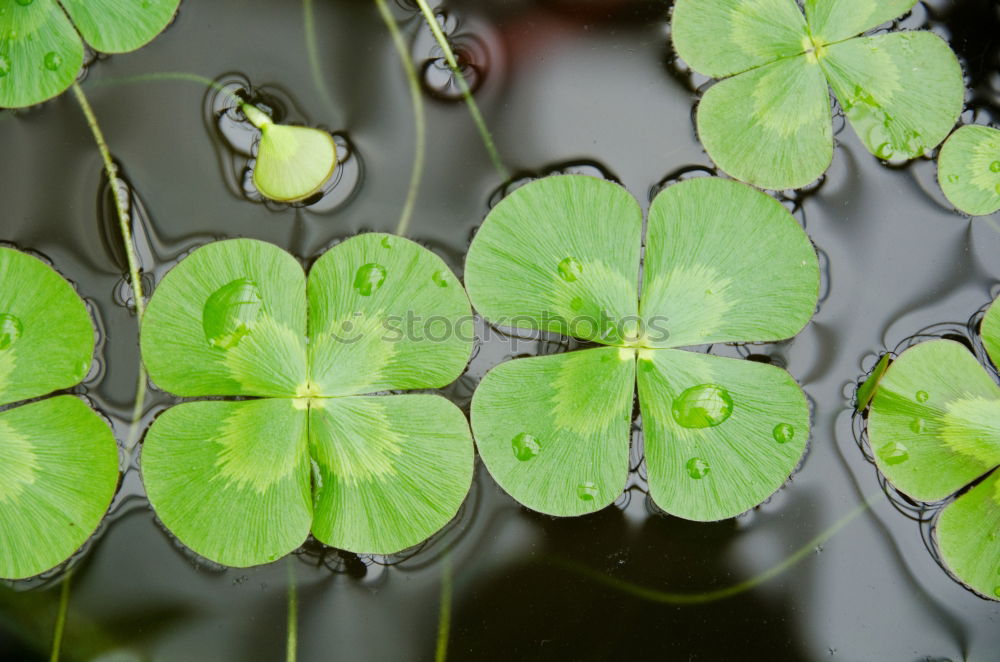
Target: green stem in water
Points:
(293, 613)
(419, 123)
(312, 50)
(664, 597)
(125, 227)
(168, 76)
(444, 615)
(463, 85)
(57, 634)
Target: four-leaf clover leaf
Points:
(41, 51)
(769, 123)
(58, 458)
(934, 429)
(243, 481)
(722, 263)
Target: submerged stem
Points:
(419, 123)
(444, 615)
(308, 19)
(463, 85)
(57, 634)
(293, 613)
(169, 76)
(664, 597)
(125, 227)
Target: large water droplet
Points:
(894, 453)
(570, 269)
(10, 330)
(369, 278)
(918, 425)
(440, 278)
(702, 406)
(525, 447)
(923, 396)
(53, 61)
(587, 491)
(995, 166)
(697, 468)
(783, 433)
(231, 312)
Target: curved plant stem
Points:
(477, 116)
(57, 634)
(664, 597)
(309, 20)
(125, 227)
(293, 613)
(167, 76)
(444, 615)
(419, 123)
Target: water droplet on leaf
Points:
(10, 330)
(369, 278)
(53, 61)
(231, 312)
(894, 453)
(702, 406)
(525, 447)
(917, 425)
(885, 150)
(923, 396)
(697, 468)
(586, 491)
(953, 179)
(576, 303)
(783, 433)
(995, 166)
(24, 3)
(570, 269)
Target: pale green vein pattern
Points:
(58, 458)
(769, 124)
(554, 430)
(935, 421)
(41, 52)
(244, 482)
(723, 263)
(969, 169)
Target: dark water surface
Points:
(588, 84)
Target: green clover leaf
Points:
(41, 51)
(934, 430)
(768, 121)
(723, 263)
(243, 481)
(969, 170)
(58, 458)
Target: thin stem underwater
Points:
(665, 597)
(57, 634)
(463, 85)
(444, 614)
(292, 645)
(312, 50)
(125, 227)
(419, 121)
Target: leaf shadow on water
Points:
(555, 612)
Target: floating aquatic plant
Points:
(969, 169)
(769, 123)
(58, 458)
(722, 263)
(934, 429)
(293, 162)
(243, 481)
(41, 52)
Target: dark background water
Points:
(590, 83)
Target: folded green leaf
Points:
(240, 482)
(723, 263)
(41, 53)
(969, 169)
